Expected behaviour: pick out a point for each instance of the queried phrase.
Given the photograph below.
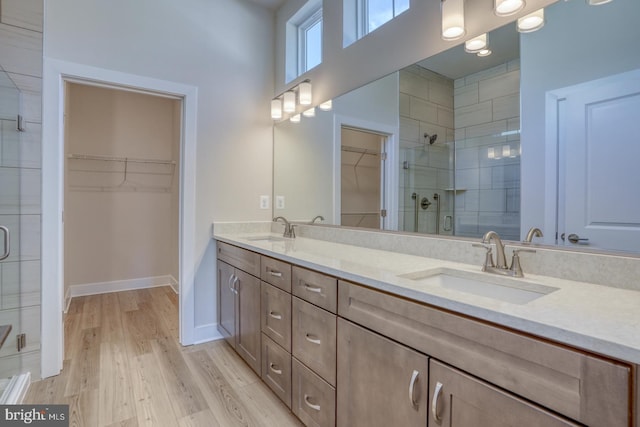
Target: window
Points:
(365, 16)
(304, 40)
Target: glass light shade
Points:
(491, 153)
(295, 119)
(452, 19)
(311, 112)
(531, 22)
(476, 44)
(597, 2)
(507, 7)
(326, 106)
(276, 109)
(506, 151)
(484, 52)
(289, 104)
(304, 93)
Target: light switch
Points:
(264, 202)
(279, 202)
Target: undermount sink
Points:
(266, 239)
(515, 291)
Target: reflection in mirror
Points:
(453, 125)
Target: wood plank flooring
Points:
(124, 367)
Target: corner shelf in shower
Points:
(107, 173)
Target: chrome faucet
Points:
(289, 230)
(500, 265)
(320, 217)
(533, 232)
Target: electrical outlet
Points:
(264, 202)
(279, 202)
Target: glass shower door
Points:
(11, 174)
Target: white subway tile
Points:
(26, 14)
(21, 50)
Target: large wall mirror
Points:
(540, 133)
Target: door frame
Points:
(390, 167)
(56, 73)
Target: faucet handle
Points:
(292, 227)
(516, 268)
(488, 260)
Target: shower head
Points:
(430, 138)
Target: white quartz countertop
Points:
(596, 318)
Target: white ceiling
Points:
(269, 4)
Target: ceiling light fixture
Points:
(452, 19)
(484, 52)
(507, 7)
(289, 104)
(276, 109)
(531, 22)
(304, 93)
(476, 44)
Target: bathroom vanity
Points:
(352, 336)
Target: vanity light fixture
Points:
(531, 22)
(304, 93)
(476, 44)
(326, 106)
(311, 112)
(506, 151)
(289, 104)
(295, 118)
(276, 109)
(507, 7)
(452, 19)
(491, 153)
(484, 52)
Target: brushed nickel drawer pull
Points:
(312, 338)
(434, 403)
(275, 315)
(274, 273)
(316, 289)
(309, 404)
(412, 391)
(275, 369)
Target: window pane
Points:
(313, 45)
(378, 12)
(401, 6)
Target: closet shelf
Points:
(87, 172)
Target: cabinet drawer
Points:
(313, 400)
(583, 387)
(241, 258)
(276, 369)
(278, 273)
(313, 338)
(317, 288)
(276, 315)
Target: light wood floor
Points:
(124, 367)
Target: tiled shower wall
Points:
(20, 184)
(487, 132)
(426, 106)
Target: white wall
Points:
(579, 43)
(411, 37)
(222, 47)
(119, 218)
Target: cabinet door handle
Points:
(412, 388)
(274, 273)
(316, 289)
(275, 369)
(313, 338)
(434, 403)
(309, 404)
(275, 315)
(236, 281)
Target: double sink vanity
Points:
(350, 335)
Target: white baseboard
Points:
(205, 333)
(174, 284)
(16, 389)
(67, 300)
(118, 286)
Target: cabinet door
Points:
(226, 303)
(248, 343)
(380, 382)
(460, 400)
(276, 315)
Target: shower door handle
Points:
(7, 243)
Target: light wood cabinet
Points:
(460, 400)
(276, 272)
(313, 399)
(276, 315)
(226, 303)
(248, 344)
(316, 288)
(276, 369)
(380, 382)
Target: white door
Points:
(600, 139)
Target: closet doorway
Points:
(363, 156)
(121, 189)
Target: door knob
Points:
(575, 239)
